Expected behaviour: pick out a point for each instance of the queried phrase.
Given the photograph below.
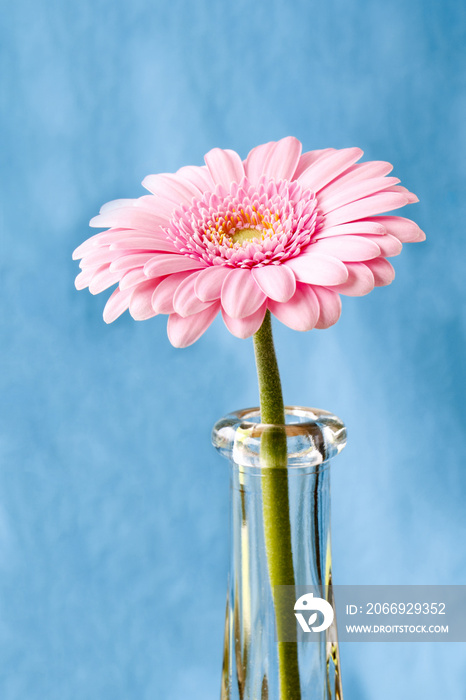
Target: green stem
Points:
(276, 506)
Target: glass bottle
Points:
(251, 652)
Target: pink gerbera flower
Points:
(280, 230)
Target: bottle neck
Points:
(251, 649)
(309, 498)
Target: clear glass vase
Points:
(252, 654)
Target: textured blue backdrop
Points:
(113, 505)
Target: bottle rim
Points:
(313, 436)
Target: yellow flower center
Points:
(246, 234)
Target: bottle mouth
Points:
(313, 436)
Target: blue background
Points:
(113, 505)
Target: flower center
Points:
(247, 226)
(246, 234)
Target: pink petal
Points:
(162, 298)
(171, 187)
(375, 204)
(241, 296)
(103, 279)
(356, 173)
(140, 306)
(185, 301)
(382, 270)
(85, 276)
(360, 281)
(116, 204)
(256, 160)
(404, 229)
(100, 256)
(276, 281)
(160, 207)
(354, 191)
(87, 246)
(245, 327)
(198, 176)
(389, 245)
(282, 159)
(309, 158)
(411, 197)
(117, 304)
(353, 228)
(130, 217)
(347, 248)
(314, 268)
(126, 262)
(330, 307)
(421, 236)
(155, 205)
(225, 166)
(107, 238)
(166, 264)
(328, 167)
(185, 331)
(132, 277)
(208, 285)
(301, 312)
(144, 243)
